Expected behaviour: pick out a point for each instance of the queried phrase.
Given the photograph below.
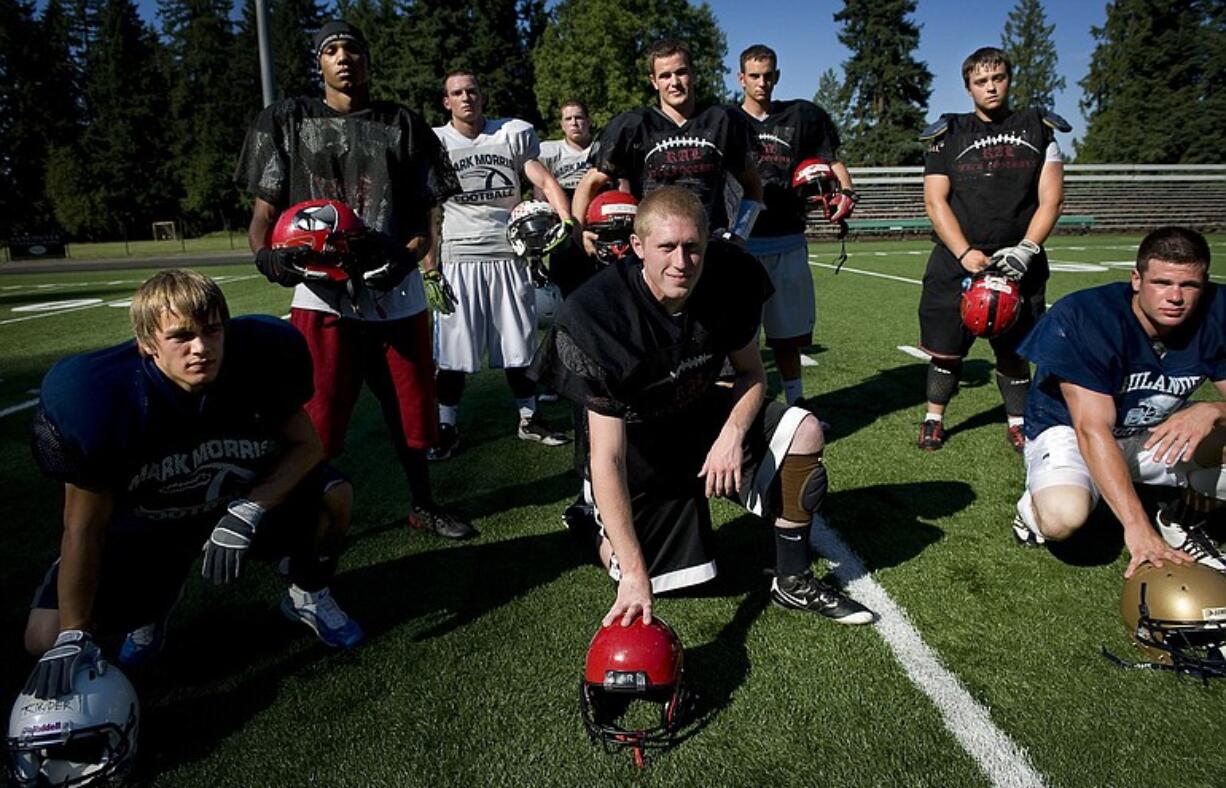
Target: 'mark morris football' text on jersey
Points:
(565, 163)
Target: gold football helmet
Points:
(1176, 616)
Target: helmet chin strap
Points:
(842, 258)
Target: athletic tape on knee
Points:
(942, 382)
(804, 483)
(1013, 391)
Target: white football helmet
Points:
(530, 226)
(548, 302)
(86, 737)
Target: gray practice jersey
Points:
(489, 167)
(566, 163)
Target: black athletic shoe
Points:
(932, 435)
(534, 430)
(440, 523)
(448, 443)
(806, 592)
(1024, 536)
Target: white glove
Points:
(1012, 261)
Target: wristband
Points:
(965, 253)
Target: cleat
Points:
(932, 435)
(1191, 539)
(142, 645)
(1016, 437)
(805, 592)
(448, 443)
(1024, 536)
(319, 611)
(535, 430)
(437, 521)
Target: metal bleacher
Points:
(1097, 198)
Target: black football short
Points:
(145, 563)
(941, 330)
(673, 522)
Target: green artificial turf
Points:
(469, 676)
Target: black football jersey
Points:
(993, 171)
(792, 132)
(615, 350)
(648, 149)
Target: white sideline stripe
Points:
(18, 408)
(805, 361)
(220, 280)
(869, 273)
(1002, 760)
(914, 352)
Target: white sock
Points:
(448, 414)
(1025, 510)
(1016, 421)
(527, 407)
(793, 390)
(937, 417)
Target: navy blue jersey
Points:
(792, 132)
(647, 148)
(1092, 339)
(111, 421)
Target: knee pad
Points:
(943, 382)
(1013, 391)
(804, 484)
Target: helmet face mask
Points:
(326, 228)
(85, 738)
(626, 668)
(1176, 616)
(815, 182)
(610, 216)
(529, 227)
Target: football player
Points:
(384, 162)
(567, 161)
(993, 188)
(788, 132)
(677, 142)
(1115, 366)
(495, 301)
(192, 435)
(641, 347)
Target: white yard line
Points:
(869, 273)
(806, 361)
(1001, 759)
(18, 407)
(914, 352)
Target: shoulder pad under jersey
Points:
(936, 129)
(1055, 121)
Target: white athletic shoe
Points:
(1191, 539)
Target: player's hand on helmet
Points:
(1014, 261)
(439, 294)
(560, 235)
(633, 600)
(1146, 546)
(230, 540)
(1176, 438)
(722, 467)
(975, 261)
(389, 274)
(286, 266)
(842, 204)
(52, 676)
(589, 243)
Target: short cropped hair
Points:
(1172, 244)
(667, 47)
(759, 52)
(985, 57)
(574, 102)
(459, 72)
(669, 201)
(192, 296)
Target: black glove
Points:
(383, 262)
(224, 551)
(286, 266)
(52, 676)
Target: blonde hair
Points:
(190, 295)
(668, 201)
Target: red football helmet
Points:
(611, 216)
(642, 662)
(991, 304)
(326, 228)
(817, 185)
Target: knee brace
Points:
(1013, 391)
(803, 485)
(943, 381)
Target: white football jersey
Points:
(566, 163)
(489, 167)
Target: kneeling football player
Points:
(193, 435)
(1116, 366)
(641, 347)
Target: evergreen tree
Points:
(1206, 130)
(829, 96)
(387, 34)
(1147, 83)
(292, 25)
(1027, 41)
(886, 88)
(595, 50)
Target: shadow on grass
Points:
(1100, 540)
